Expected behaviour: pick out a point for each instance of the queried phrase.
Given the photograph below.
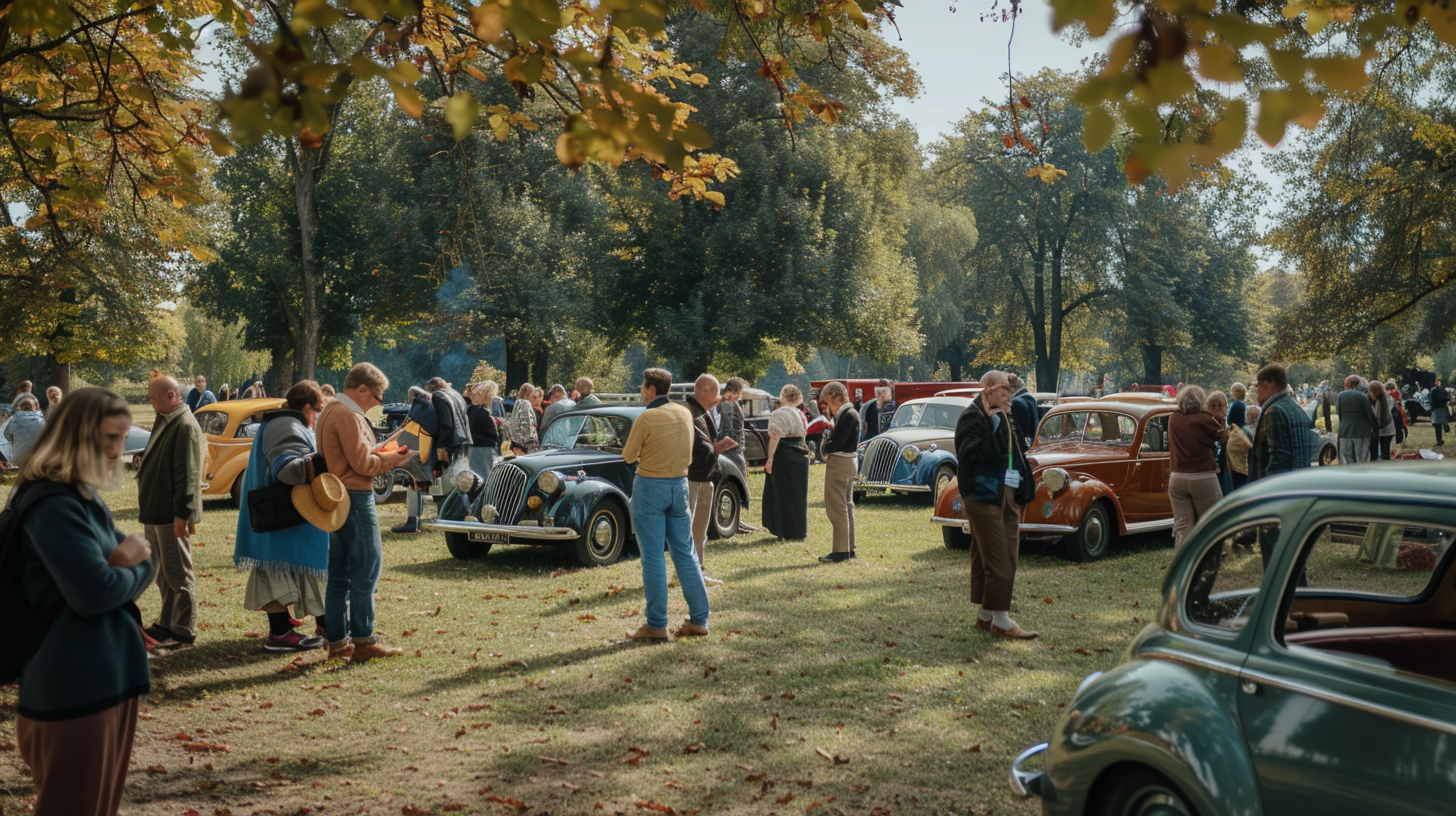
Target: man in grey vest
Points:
(1357, 421)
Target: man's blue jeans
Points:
(356, 555)
(660, 512)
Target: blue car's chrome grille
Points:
(878, 464)
(506, 491)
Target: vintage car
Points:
(136, 442)
(1301, 662)
(756, 404)
(917, 453)
(229, 428)
(575, 491)
(1101, 467)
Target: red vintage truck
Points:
(864, 390)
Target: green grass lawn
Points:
(854, 688)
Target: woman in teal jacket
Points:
(79, 693)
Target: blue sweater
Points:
(93, 657)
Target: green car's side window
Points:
(1224, 587)
(1385, 558)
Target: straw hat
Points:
(323, 502)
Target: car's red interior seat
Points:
(1415, 649)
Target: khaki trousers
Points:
(1191, 498)
(175, 578)
(700, 508)
(996, 542)
(79, 765)
(839, 474)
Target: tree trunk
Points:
(517, 369)
(308, 166)
(541, 365)
(1152, 364)
(57, 374)
(280, 375)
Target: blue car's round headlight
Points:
(549, 482)
(910, 453)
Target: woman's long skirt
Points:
(786, 493)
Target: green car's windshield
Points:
(586, 432)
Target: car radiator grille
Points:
(506, 490)
(879, 461)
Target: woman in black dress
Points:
(786, 481)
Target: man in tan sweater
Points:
(356, 552)
(661, 443)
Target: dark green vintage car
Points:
(577, 491)
(1303, 662)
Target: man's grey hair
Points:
(836, 390)
(28, 404)
(993, 378)
(558, 388)
(1251, 414)
(1015, 381)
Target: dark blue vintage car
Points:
(577, 491)
(917, 453)
(1303, 662)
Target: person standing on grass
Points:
(786, 473)
(841, 453)
(77, 712)
(524, 438)
(169, 498)
(199, 396)
(53, 399)
(24, 428)
(1284, 438)
(1384, 420)
(484, 436)
(1194, 433)
(356, 552)
(995, 482)
(1025, 414)
(286, 567)
(1440, 410)
(731, 434)
(703, 470)
(1357, 421)
(661, 445)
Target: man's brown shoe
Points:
(983, 625)
(651, 634)
(369, 651)
(343, 650)
(1015, 632)
(690, 629)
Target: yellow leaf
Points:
(1097, 15)
(1341, 73)
(1228, 134)
(489, 21)
(1219, 63)
(409, 101)
(1047, 173)
(202, 253)
(461, 111)
(715, 198)
(218, 142)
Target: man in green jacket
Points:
(169, 491)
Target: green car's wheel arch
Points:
(605, 536)
(1141, 791)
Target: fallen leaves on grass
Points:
(546, 760)
(654, 807)
(636, 755)
(837, 759)
(509, 802)
(205, 747)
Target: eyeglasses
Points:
(377, 395)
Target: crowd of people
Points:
(308, 533)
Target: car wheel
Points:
(1091, 540)
(1328, 455)
(727, 505)
(1143, 792)
(384, 488)
(955, 538)
(460, 546)
(236, 494)
(604, 538)
(944, 475)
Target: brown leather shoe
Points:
(651, 634)
(343, 650)
(1015, 632)
(690, 629)
(368, 651)
(983, 625)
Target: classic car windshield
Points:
(1088, 426)
(213, 422)
(586, 431)
(926, 415)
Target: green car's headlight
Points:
(549, 482)
(910, 453)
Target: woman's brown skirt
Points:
(79, 765)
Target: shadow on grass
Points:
(224, 655)
(224, 782)
(510, 562)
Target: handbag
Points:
(271, 508)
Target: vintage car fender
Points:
(1067, 508)
(737, 481)
(1104, 733)
(579, 496)
(929, 462)
(221, 483)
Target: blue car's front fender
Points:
(928, 465)
(580, 497)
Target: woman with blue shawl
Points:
(288, 567)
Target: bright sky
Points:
(962, 60)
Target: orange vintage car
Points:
(1101, 468)
(229, 428)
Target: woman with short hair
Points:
(1193, 486)
(1385, 419)
(286, 567)
(79, 692)
(484, 436)
(1218, 405)
(523, 421)
(786, 473)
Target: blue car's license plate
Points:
(490, 538)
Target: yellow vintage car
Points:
(229, 428)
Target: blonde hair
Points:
(790, 395)
(70, 449)
(366, 374)
(1217, 396)
(525, 391)
(485, 391)
(1191, 399)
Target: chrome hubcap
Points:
(1095, 533)
(603, 533)
(725, 508)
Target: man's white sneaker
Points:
(712, 581)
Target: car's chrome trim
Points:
(522, 531)
(1350, 702)
(1134, 528)
(1025, 783)
(948, 522)
(891, 486)
(1196, 662)
(1047, 529)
